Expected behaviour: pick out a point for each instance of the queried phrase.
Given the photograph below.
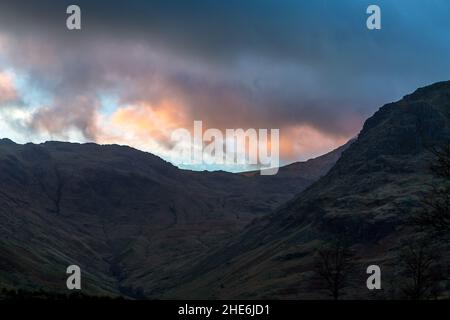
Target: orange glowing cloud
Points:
(150, 120)
(303, 142)
(143, 125)
(149, 127)
(8, 91)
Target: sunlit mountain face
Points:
(138, 70)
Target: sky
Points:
(138, 70)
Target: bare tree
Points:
(334, 264)
(52, 188)
(421, 270)
(435, 212)
(420, 260)
(441, 167)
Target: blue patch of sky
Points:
(109, 103)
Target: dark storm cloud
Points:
(254, 63)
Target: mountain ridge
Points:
(364, 196)
(116, 211)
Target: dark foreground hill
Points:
(130, 220)
(366, 198)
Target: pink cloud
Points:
(8, 92)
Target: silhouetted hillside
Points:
(130, 220)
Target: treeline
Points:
(21, 294)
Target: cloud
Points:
(8, 92)
(144, 125)
(74, 113)
(303, 142)
(311, 69)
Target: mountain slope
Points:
(364, 197)
(129, 219)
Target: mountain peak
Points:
(430, 91)
(7, 141)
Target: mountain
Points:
(139, 227)
(367, 197)
(311, 170)
(130, 220)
